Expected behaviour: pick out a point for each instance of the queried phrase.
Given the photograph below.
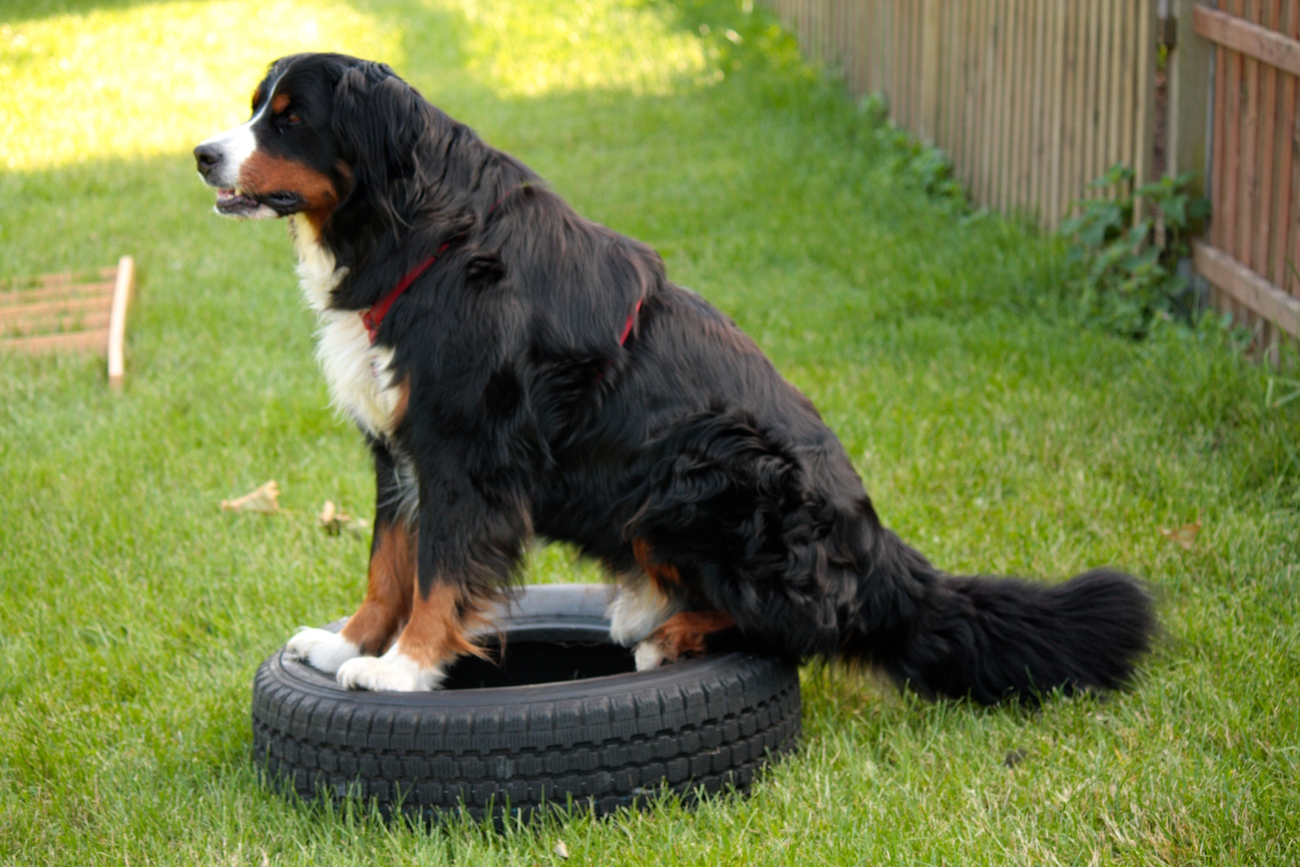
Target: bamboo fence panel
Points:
(1030, 99)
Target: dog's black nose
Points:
(208, 156)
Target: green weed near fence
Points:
(992, 432)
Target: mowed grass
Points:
(991, 431)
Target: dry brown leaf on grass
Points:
(1184, 536)
(263, 500)
(333, 520)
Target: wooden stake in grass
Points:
(65, 312)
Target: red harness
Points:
(374, 317)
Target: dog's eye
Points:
(289, 118)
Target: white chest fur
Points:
(358, 374)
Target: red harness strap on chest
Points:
(374, 317)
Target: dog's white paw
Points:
(321, 649)
(648, 655)
(392, 672)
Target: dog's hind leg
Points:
(647, 596)
(688, 633)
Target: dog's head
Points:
(327, 131)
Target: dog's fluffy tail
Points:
(992, 639)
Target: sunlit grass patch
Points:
(537, 48)
(155, 78)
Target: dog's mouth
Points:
(234, 202)
(237, 202)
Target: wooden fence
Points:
(1031, 99)
(1253, 247)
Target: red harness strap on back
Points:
(374, 317)
(631, 320)
(622, 338)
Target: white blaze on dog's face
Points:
(284, 160)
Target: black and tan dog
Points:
(520, 370)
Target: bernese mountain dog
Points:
(519, 371)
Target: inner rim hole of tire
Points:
(530, 662)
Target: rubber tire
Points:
(603, 742)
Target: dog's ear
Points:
(379, 121)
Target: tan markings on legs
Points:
(663, 575)
(388, 598)
(686, 632)
(435, 633)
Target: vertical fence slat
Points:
(1006, 39)
(1040, 121)
(1032, 121)
(915, 74)
(1271, 18)
(1124, 131)
(1010, 58)
(928, 71)
(1247, 154)
(1021, 54)
(1292, 263)
(975, 115)
(1002, 125)
(1219, 146)
(1025, 52)
(1060, 94)
(1116, 67)
(1092, 87)
(988, 99)
(885, 47)
(1076, 14)
(1108, 89)
(898, 69)
(1226, 212)
(1144, 125)
(953, 86)
(1283, 214)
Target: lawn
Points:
(992, 430)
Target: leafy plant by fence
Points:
(1127, 262)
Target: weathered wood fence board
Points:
(1031, 99)
(1253, 247)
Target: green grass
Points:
(991, 431)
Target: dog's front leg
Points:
(434, 636)
(389, 593)
(470, 538)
